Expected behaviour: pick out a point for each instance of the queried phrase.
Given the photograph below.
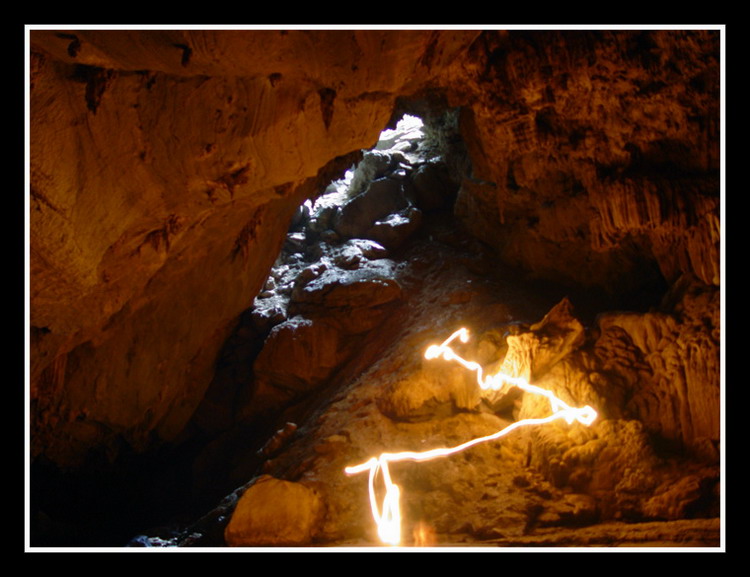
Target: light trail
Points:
(388, 519)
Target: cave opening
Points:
(353, 236)
(386, 212)
(566, 235)
(374, 226)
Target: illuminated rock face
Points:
(165, 169)
(272, 513)
(555, 484)
(603, 141)
(167, 166)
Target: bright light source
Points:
(388, 519)
(408, 128)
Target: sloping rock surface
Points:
(170, 168)
(166, 168)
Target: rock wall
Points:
(596, 152)
(166, 167)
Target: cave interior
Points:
(242, 242)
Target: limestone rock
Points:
(672, 370)
(353, 300)
(538, 481)
(354, 252)
(579, 189)
(383, 209)
(585, 155)
(375, 165)
(300, 354)
(531, 354)
(382, 198)
(273, 512)
(396, 228)
(267, 317)
(428, 395)
(403, 138)
(681, 498)
(156, 225)
(164, 176)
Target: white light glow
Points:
(388, 517)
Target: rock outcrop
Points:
(273, 512)
(538, 483)
(191, 282)
(598, 149)
(166, 168)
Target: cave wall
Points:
(165, 169)
(595, 153)
(166, 166)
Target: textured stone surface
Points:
(273, 512)
(167, 167)
(534, 352)
(164, 174)
(672, 368)
(561, 484)
(596, 148)
(146, 144)
(299, 354)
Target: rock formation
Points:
(165, 159)
(190, 285)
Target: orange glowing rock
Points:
(273, 512)
(388, 516)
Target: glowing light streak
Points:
(388, 520)
(585, 415)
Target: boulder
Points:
(382, 198)
(375, 164)
(365, 287)
(299, 354)
(396, 228)
(355, 252)
(273, 512)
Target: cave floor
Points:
(684, 534)
(451, 280)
